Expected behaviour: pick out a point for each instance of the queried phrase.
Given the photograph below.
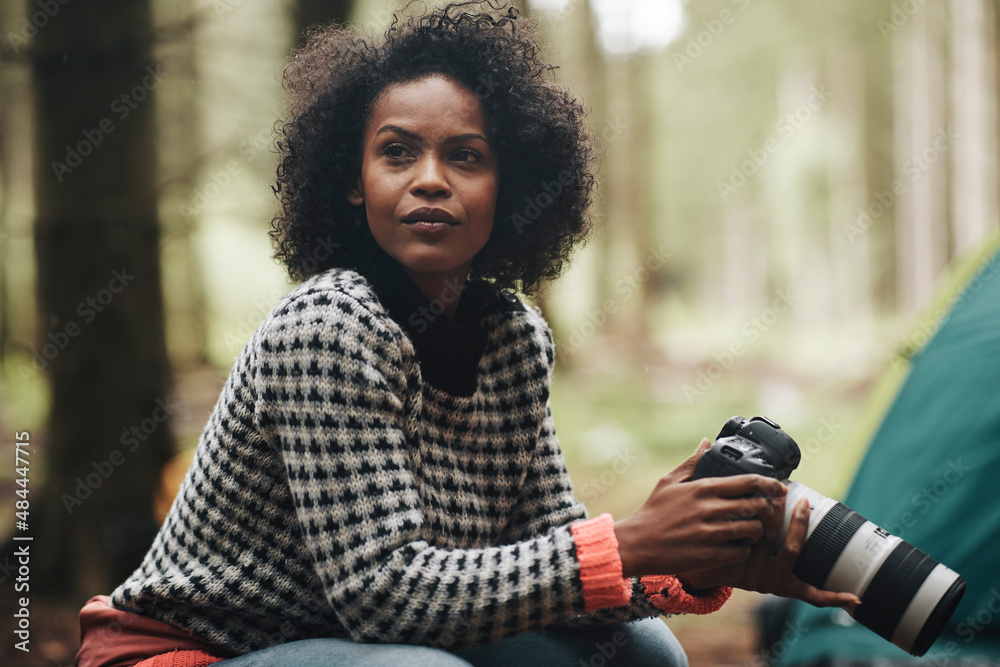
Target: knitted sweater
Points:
(351, 483)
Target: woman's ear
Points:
(355, 190)
(354, 196)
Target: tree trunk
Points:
(973, 94)
(594, 67)
(617, 147)
(182, 142)
(922, 211)
(572, 35)
(101, 333)
(646, 272)
(16, 314)
(853, 295)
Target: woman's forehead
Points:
(432, 105)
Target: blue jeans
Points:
(637, 644)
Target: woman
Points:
(380, 480)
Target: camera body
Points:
(756, 445)
(906, 596)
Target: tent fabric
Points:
(931, 475)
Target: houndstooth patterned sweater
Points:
(338, 491)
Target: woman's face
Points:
(429, 179)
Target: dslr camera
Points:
(906, 596)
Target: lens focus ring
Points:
(892, 589)
(827, 542)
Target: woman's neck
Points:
(443, 290)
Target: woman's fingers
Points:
(739, 486)
(705, 523)
(721, 555)
(821, 598)
(757, 567)
(745, 530)
(795, 537)
(785, 560)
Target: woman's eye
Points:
(467, 155)
(396, 150)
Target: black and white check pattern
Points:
(334, 492)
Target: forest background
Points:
(783, 186)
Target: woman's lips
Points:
(429, 227)
(429, 221)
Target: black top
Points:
(448, 349)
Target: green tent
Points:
(931, 475)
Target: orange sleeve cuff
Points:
(669, 596)
(604, 585)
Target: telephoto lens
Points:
(906, 596)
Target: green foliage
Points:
(622, 430)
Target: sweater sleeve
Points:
(330, 386)
(546, 500)
(546, 497)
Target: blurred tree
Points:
(974, 113)
(183, 184)
(846, 173)
(15, 177)
(647, 269)
(862, 19)
(571, 36)
(6, 167)
(591, 73)
(100, 330)
(920, 108)
(629, 202)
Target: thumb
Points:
(686, 469)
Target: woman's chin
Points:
(431, 265)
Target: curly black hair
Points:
(541, 138)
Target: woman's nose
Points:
(431, 177)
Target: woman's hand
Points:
(701, 525)
(767, 572)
